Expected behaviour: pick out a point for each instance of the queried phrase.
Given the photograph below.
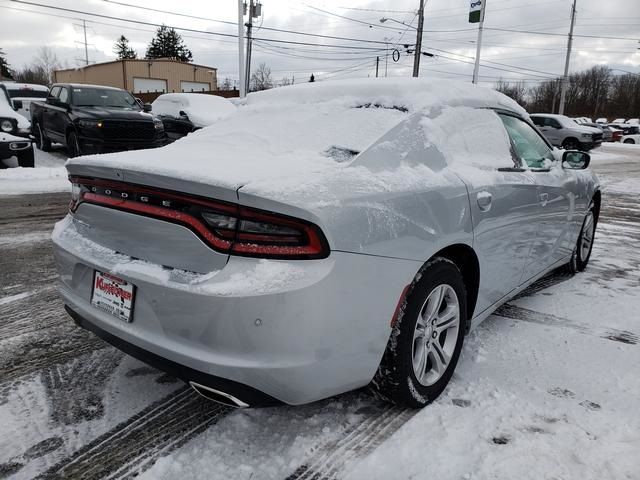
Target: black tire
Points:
(571, 144)
(26, 158)
(580, 257)
(396, 381)
(42, 142)
(73, 146)
(629, 140)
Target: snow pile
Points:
(15, 181)
(202, 109)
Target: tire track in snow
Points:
(134, 445)
(518, 313)
(331, 459)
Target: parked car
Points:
(631, 139)
(325, 237)
(183, 113)
(15, 130)
(563, 132)
(607, 131)
(629, 129)
(618, 121)
(94, 119)
(22, 94)
(602, 120)
(633, 121)
(616, 134)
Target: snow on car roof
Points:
(281, 140)
(202, 109)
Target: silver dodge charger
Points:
(324, 237)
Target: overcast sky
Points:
(447, 35)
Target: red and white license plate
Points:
(113, 295)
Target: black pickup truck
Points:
(94, 119)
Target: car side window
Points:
(529, 147)
(55, 91)
(64, 95)
(538, 121)
(554, 123)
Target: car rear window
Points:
(26, 93)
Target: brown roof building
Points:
(140, 76)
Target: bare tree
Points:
(285, 81)
(517, 91)
(227, 84)
(261, 78)
(46, 61)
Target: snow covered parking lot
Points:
(547, 388)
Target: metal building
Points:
(140, 76)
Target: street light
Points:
(385, 19)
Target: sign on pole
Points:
(476, 11)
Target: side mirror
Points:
(17, 104)
(575, 160)
(146, 107)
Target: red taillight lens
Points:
(225, 227)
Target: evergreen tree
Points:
(5, 70)
(122, 49)
(168, 44)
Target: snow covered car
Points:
(631, 139)
(15, 133)
(325, 237)
(22, 94)
(563, 132)
(183, 113)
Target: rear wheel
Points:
(629, 140)
(73, 146)
(571, 144)
(582, 251)
(426, 340)
(42, 142)
(26, 158)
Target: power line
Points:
(193, 30)
(531, 32)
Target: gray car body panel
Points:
(304, 330)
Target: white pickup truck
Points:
(15, 134)
(22, 94)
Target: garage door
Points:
(194, 86)
(141, 85)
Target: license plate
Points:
(113, 295)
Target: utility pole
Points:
(476, 66)
(241, 83)
(255, 10)
(565, 78)
(418, 52)
(86, 47)
(377, 63)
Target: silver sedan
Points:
(323, 238)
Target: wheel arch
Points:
(467, 262)
(597, 201)
(569, 138)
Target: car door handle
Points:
(544, 198)
(484, 200)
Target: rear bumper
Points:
(250, 396)
(290, 331)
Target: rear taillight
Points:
(225, 227)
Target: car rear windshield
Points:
(26, 93)
(98, 97)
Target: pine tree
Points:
(5, 70)
(168, 44)
(122, 49)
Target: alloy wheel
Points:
(435, 334)
(587, 236)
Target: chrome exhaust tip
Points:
(218, 396)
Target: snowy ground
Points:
(48, 176)
(547, 388)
